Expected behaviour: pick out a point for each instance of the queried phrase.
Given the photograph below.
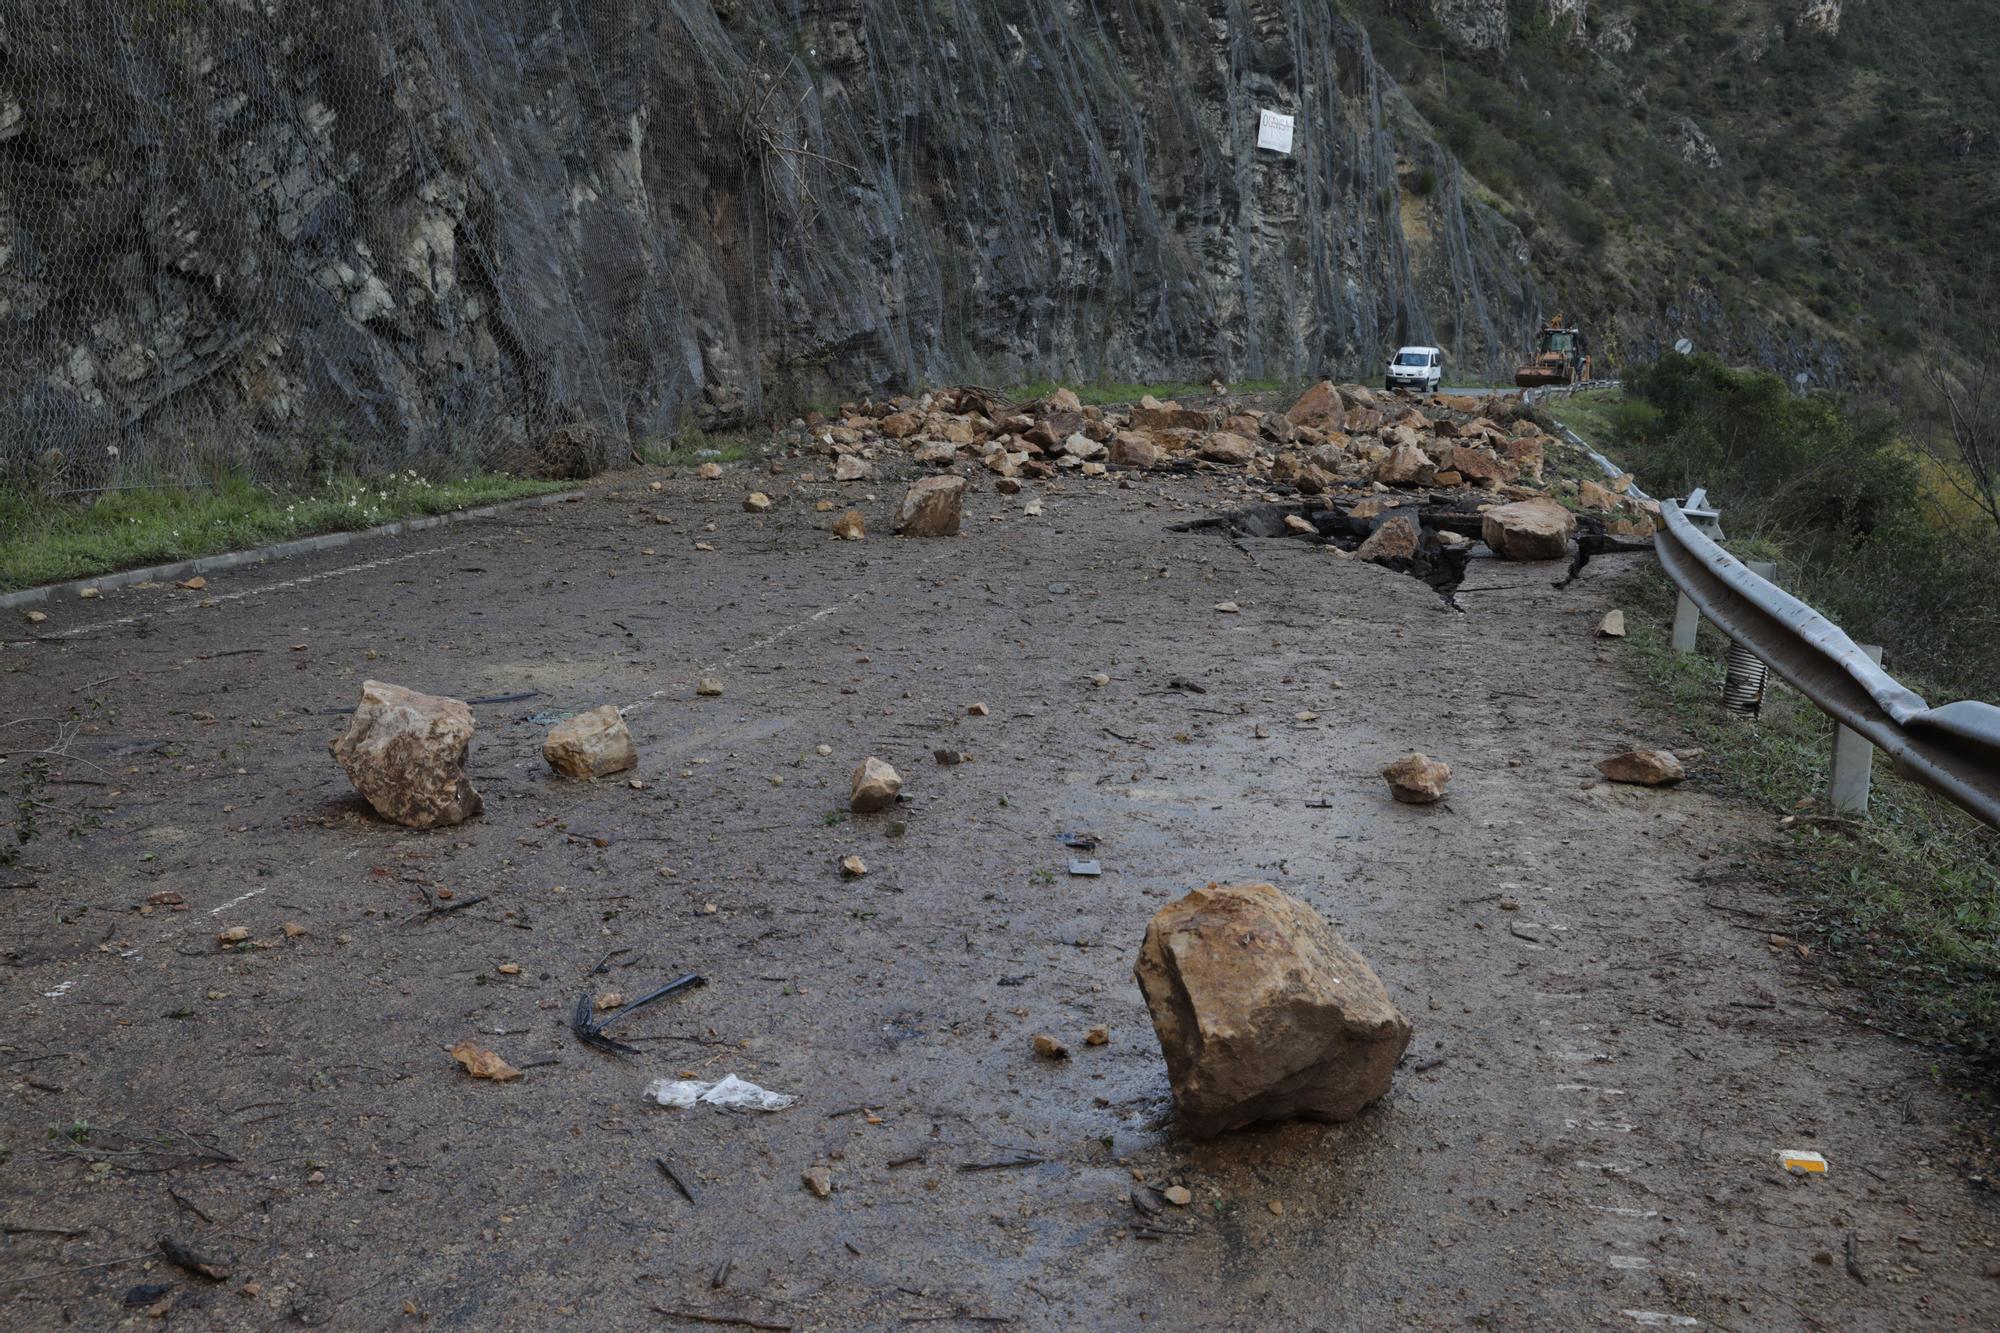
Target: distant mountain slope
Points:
(1779, 180)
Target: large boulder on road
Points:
(1263, 1012)
(405, 753)
(932, 507)
(1528, 530)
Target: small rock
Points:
(195, 584)
(819, 1180)
(37, 617)
(605, 1001)
(1399, 538)
(1049, 1047)
(708, 687)
(1228, 608)
(509, 969)
(1177, 1195)
(293, 930)
(1008, 485)
(977, 710)
(1644, 768)
(405, 753)
(1417, 779)
(849, 467)
(1033, 509)
(1293, 523)
(482, 1063)
(88, 594)
(1612, 626)
(824, 507)
(1277, 1208)
(591, 745)
(1100, 680)
(1097, 1036)
(932, 507)
(876, 786)
(232, 935)
(709, 471)
(853, 867)
(756, 502)
(849, 527)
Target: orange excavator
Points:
(1561, 357)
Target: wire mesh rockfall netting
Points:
(301, 237)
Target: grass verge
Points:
(1904, 904)
(49, 541)
(1588, 413)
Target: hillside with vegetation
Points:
(1805, 186)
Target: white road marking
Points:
(243, 898)
(57, 993)
(177, 608)
(1657, 1319)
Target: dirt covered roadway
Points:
(1583, 1134)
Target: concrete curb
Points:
(182, 569)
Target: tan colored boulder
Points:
(1313, 480)
(1480, 466)
(1358, 395)
(1263, 1012)
(932, 507)
(934, 453)
(1079, 445)
(591, 744)
(1592, 496)
(902, 425)
(1406, 465)
(1643, 768)
(1398, 538)
(1612, 626)
(1639, 528)
(1528, 530)
(1065, 400)
(1151, 414)
(875, 787)
(852, 467)
(1232, 449)
(1448, 477)
(850, 526)
(1321, 407)
(1526, 454)
(1373, 505)
(405, 753)
(756, 502)
(1417, 779)
(1131, 448)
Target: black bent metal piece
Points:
(591, 1031)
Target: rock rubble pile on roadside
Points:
(1342, 442)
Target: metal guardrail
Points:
(1954, 750)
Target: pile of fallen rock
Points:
(1342, 442)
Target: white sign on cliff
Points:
(1274, 131)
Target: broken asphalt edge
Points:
(326, 541)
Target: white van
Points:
(1417, 368)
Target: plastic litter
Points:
(730, 1091)
(1087, 869)
(1801, 1163)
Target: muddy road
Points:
(1583, 1134)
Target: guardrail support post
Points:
(1853, 761)
(1686, 621)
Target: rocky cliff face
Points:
(329, 231)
